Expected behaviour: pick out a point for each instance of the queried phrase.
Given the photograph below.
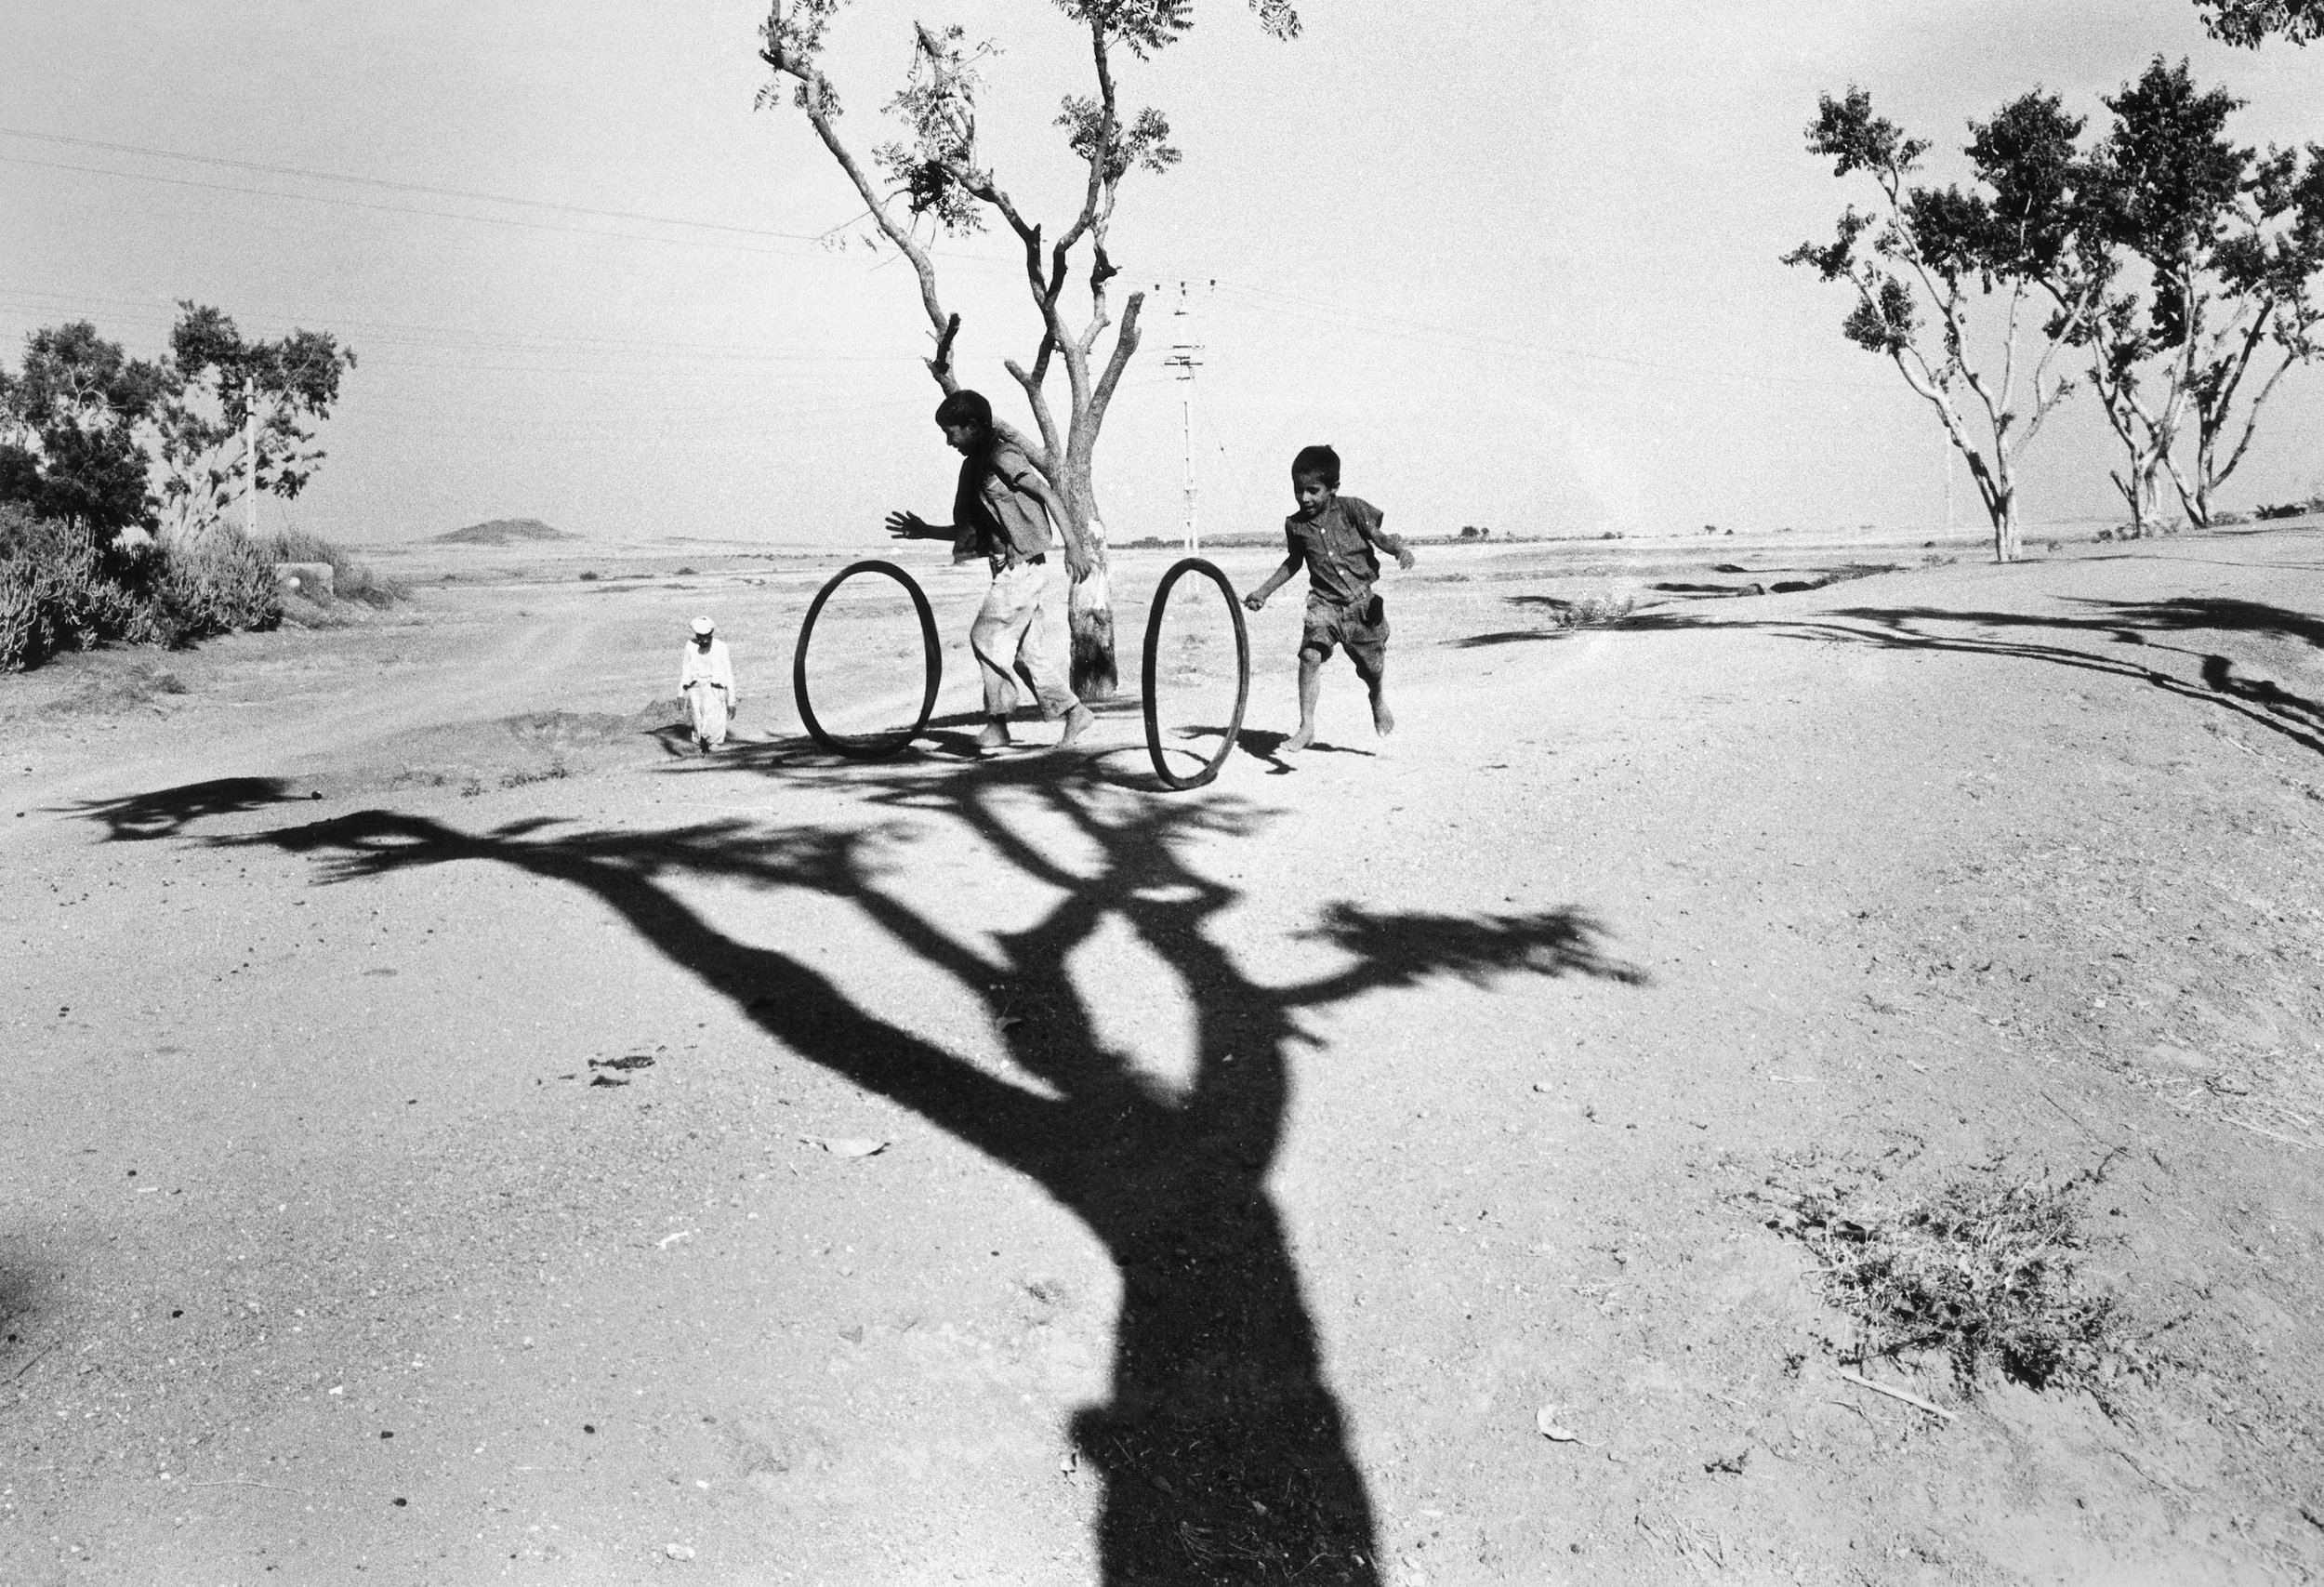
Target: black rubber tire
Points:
(1242, 671)
(885, 745)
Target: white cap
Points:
(704, 624)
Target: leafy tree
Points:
(2162, 189)
(70, 446)
(2268, 276)
(241, 421)
(2249, 22)
(2232, 244)
(1938, 251)
(937, 176)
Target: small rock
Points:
(678, 1551)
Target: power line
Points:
(398, 209)
(1369, 321)
(558, 206)
(457, 337)
(401, 187)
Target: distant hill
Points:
(503, 531)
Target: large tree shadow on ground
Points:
(1223, 1455)
(2125, 624)
(166, 812)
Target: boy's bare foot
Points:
(1078, 721)
(995, 737)
(1384, 720)
(1299, 741)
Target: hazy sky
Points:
(1517, 260)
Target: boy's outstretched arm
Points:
(911, 526)
(1388, 543)
(1275, 581)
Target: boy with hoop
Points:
(1005, 511)
(1333, 536)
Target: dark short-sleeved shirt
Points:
(1341, 566)
(995, 512)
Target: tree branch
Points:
(816, 99)
(2251, 417)
(1125, 344)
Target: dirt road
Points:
(456, 1137)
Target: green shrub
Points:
(49, 589)
(219, 584)
(60, 591)
(351, 579)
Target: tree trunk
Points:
(1997, 487)
(1090, 607)
(1090, 615)
(2008, 541)
(2195, 497)
(2146, 497)
(2134, 490)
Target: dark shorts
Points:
(1363, 627)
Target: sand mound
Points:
(504, 531)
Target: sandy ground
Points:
(1253, 1165)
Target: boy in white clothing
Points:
(705, 676)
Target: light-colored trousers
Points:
(706, 701)
(1019, 632)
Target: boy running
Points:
(1332, 536)
(1004, 510)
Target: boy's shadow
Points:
(1264, 744)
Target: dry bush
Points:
(1593, 611)
(142, 686)
(351, 579)
(1985, 1274)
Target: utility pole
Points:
(1186, 356)
(250, 462)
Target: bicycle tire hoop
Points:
(1210, 769)
(880, 747)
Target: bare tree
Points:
(1933, 249)
(941, 176)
